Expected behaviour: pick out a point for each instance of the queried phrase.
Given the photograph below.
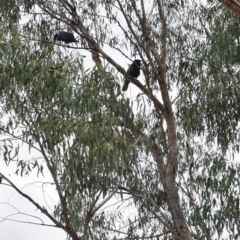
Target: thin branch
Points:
(129, 24)
(32, 223)
(104, 201)
(149, 44)
(19, 138)
(95, 201)
(118, 49)
(150, 237)
(68, 228)
(42, 209)
(143, 9)
(140, 197)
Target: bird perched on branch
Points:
(65, 37)
(134, 71)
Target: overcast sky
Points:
(12, 203)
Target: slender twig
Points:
(104, 201)
(32, 223)
(42, 209)
(140, 198)
(19, 138)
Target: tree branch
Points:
(233, 5)
(42, 209)
(140, 198)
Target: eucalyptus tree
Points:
(150, 166)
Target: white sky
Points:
(10, 230)
(10, 199)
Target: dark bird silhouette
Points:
(65, 37)
(134, 71)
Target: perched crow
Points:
(65, 37)
(134, 71)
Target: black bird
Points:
(134, 71)
(65, 37)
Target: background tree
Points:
(162, 155)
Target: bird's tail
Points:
(125, 85)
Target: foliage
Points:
(99, 144)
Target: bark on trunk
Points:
(234, 6)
